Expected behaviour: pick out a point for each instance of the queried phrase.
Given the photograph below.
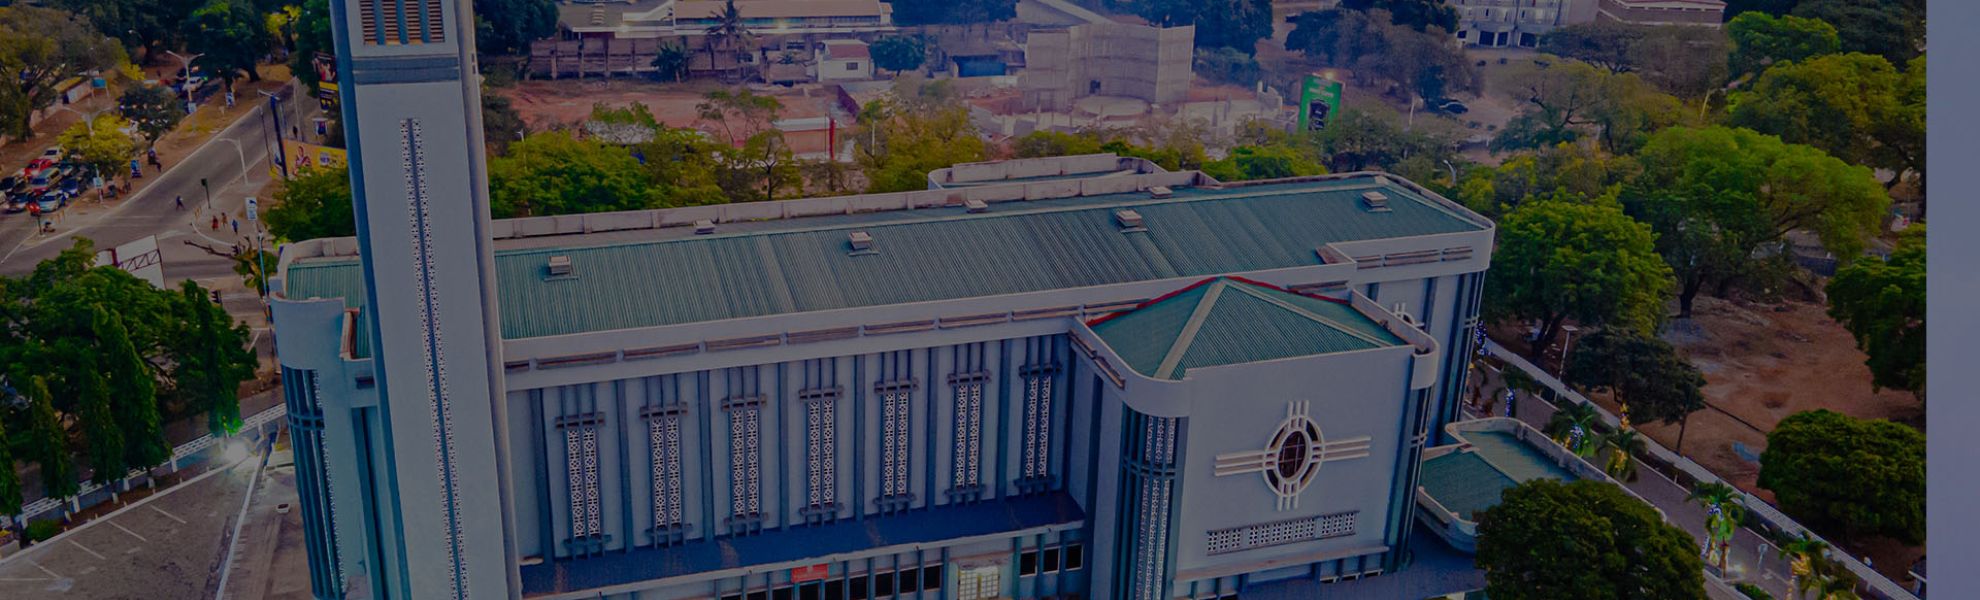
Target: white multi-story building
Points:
(1516, 23)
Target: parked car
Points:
(70, 186)
(47, 159)
(43, 180)
(52, 202)
(1449, 106)
(15, 203)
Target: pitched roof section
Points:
(648, 278)
(1227, 321)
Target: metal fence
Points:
(1879, 585)
(185, 455)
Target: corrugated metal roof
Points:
(1464, 483)
(1514, 457)
(335, 280)
(803, 264)
(1227, 321)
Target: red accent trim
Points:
(1244, 280)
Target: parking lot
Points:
(167, 547)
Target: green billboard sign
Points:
(1319, 101)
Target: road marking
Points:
(91, 552)
(234, 541)
(167, 515)
(23, 579)
(123, 529)
(37, 565)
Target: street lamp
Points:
(89, 119)
(239, 153)
(185, 62)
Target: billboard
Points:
(1319, 101)
(308, 156)
(140, 258)
(326, 76)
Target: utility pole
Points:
(185, 62)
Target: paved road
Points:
(234, 163)
(169, 547)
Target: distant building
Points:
(1516, 23)
(1107, 59)
(1699, 13)
(1038, 170)
(844, 60)
(693, 18)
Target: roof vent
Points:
(1129, 220)
(860, 241)
(1160, 192)
(1375, 201)
(560, 266)
(704, 227)
(976, 206)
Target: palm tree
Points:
(728, 32)
(1574, 427)
(1803, 554)
(671, 62)
(1723, 512)
(1623, 446)
(1829, 580)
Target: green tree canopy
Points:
(1562, 98)
(212, 358)
(154, 109)
(1560, 259)
(1264, 162)
(232, 37)
(102, 438)
(1862, 476)
(102, 143)
(48, 442)
(1760, 39)
(1420, 15)
(1227, 65)
(1587, 539)
(1045, 143)
(1857, 107)
(1646, 375)
(1424, 64)
(1234, 24)
(312, 35)
(899, 53)
(1718, 196)
(501, 123)
(1894, 29)
(1577, 170)
(553, 173)
(1685, 61)
(137, 23)
(1881, 301)
(1361, 138)
(132, 384)
(508, 26)
(39, 48)
(10, 477)
(313, 204)
(919, 127)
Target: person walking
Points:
(178, 203)
(216, 222)
(151, 156)
(237, 225)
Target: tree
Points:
(313, 204)
(899, 53)
(1734, 8)
(1856, 107)
(1861, 476)
(1804, 555)
(670, 61)
(730, 34)
(44, 47)
(1573, 427)
(1043, 143)
(1263, 162)
(213, 359)
(136, 23)
(1881, 301)
(102, 143)
(508, 26)
(1622, 448)
(758, 158)
(553, 173)
(312, 35)
(1587, 261)
(1725, 507)
(1565, 97)
(684, 163)
(1892, 29)
(1586, 539)
(1228, 66)
(919, 127)
(1717, 196)
(1577, 170)
(1361, 138)
(1414, 14)
(1607, 44)
(1760, 39)
(102, 438)
(1686, 61)
(1234, 24)
(1423, 64)
(231, 37)
(953, 12)
(1648, 378)
(10, 478)
(132, 385)
(501, 123)
(48, 442)
(154, 109)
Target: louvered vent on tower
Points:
(395, 22)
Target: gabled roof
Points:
(1230, 320)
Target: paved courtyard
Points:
(168, 547)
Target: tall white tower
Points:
(437, 503)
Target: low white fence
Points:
(258, 423)
(1879, 584)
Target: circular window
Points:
(1292, 455)
(1295, 456)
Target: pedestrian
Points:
(237, 225)
(216, 222)
(151, 156)
(178, 203)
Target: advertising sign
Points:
(326, 76)
(308, 156)
(140, 257)
(1319, 101)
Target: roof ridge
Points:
(1180, 347)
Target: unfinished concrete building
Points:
(1107, 59)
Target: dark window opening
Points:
(883, 584)
(781, 594)
(1028, 564)
(1073, 557)
(809, 592)
(759, 595)
(835, 589)
(931, 578)
(858, 587)
(1051, 560)
(910, 580)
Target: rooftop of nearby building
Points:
(1228, 321)
(846, 50)
(781, 9)
(663, 276)
(1494, 454)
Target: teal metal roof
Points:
(671, 276)
(1464, 483)
(1471, 480)
(1227, 321)
(334, 280)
